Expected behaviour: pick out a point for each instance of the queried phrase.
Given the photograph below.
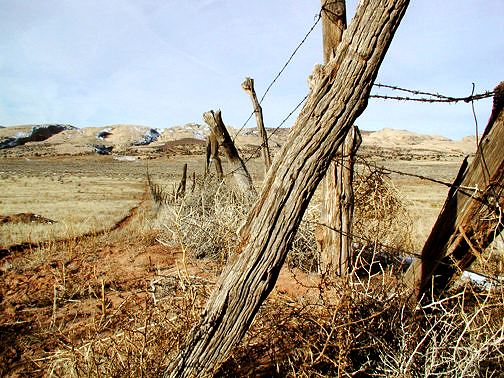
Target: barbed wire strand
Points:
(395, 252)
(442, 98)
(468, 191)
(431, 100)
(318, 17)
(268, 137)
(434, 97)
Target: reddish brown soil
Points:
(74, 272)
(56, 296)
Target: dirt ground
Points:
(58, 294)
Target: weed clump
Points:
(205, 222)
(382, 226)
(367, 328)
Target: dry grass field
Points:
(110, 288)
(81, 194)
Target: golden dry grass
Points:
(78, 205)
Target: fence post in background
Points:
(183, 182)
(193, 187)
(212, 153)
(239, 170)
(471, 216)
(335, 240)
(248, 86)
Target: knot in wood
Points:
(316, 75)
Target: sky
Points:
(163, 63)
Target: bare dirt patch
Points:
(55, 295)
(25, 218)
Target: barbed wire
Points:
(317, 20)
(469, 191)
(268, 137)
(395, 252)
(384, 169)
(434, 97)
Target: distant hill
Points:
(52, 139)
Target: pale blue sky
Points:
(164, 63)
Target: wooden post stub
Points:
(248, 86)
(239, 170)
(183, 182)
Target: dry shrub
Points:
(304, 253)
(206, 221)
(341, 332)
(461, 335)
(366, 328)
(135, 343)
(380, 215)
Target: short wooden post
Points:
(182, 185)
(239, 170)
(212, 154)
(248, 86)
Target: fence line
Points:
(430, 98)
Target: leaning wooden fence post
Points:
(471, 216)
(239, 170)
(332, 107)
(248, 86)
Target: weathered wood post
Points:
(327, 115)
(334, 234)
(335, 241)
(181, 189)
(248, 86)
(212, 153)
(471, 216)
(193, 186)
(239, 170)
